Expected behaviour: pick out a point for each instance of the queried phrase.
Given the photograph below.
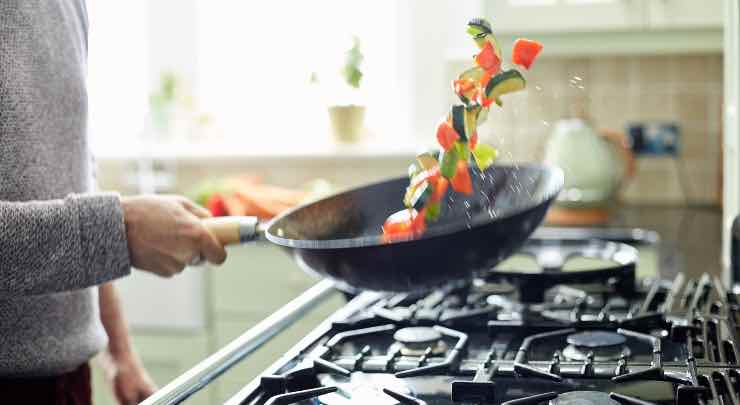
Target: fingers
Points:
(126, 394)
(195, 209)
(145, 392)
(169, 266)
(211, 248)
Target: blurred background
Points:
(197, 97)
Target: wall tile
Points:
(685, 89)
(656, 181)
(702, 180)
(692, 106)
(691, 68)
(549, 71)
(697, 145)
(715, 68)
(655, 69)
(579, 70)
(608, 72)
(651, 105)
(610, 108)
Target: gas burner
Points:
(596, 339)
(563, 336)
(584, 398)
(605, 346)
(551, 257)
(415, 341)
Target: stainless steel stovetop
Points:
(558, 335)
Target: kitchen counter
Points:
(691, 239)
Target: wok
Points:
(340, 236)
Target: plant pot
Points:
(347, 122)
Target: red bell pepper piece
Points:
(461, 182)
(419, 223)
(473, 141)
(488, 60)
(446, 135)
(466, 88)
(485, 78)
(216, 205)
(483, 100)
(430, 175)
(462, 86)
(525, 51)
(403, 224)
(440, 188)
(398, 224)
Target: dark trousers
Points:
(73, 388)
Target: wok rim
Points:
(375, 241)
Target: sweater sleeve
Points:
(61, 245)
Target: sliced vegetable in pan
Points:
(404, 224)
(461, 151)
(446, 135)
(525, 51)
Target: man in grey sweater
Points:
(61, 243)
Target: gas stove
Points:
(588, 335)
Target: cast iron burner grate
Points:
(551, 255)
(654, 342)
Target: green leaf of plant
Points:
(351, 70)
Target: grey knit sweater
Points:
(57, 241)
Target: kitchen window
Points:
(255, 61)
(243, 69)
(118, 73)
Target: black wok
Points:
(340, 236)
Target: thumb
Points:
(195, 209)
(211, 248)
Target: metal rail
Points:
(211, 368)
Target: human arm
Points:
(88, 239)
(122, 367)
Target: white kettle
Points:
(595, 163)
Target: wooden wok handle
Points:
(233, 230)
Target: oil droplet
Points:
(545, 123)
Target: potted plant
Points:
(346, 112)
(173, 110)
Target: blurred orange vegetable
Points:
(246, 195)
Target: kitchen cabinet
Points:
(596, 27)
(516, 16)
(685, 14)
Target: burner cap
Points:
(417, 335)
(583, 398)
(601, 354)
(491, 288)
(596, 339)
(415, 341)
